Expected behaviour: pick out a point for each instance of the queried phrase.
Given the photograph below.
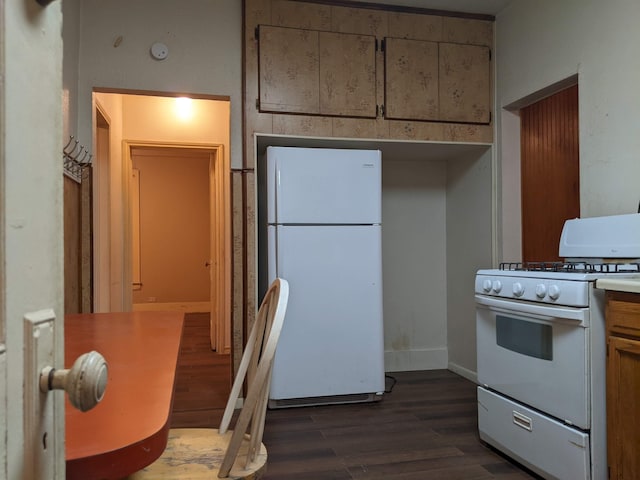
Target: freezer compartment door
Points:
(323, 186)
(332, 339)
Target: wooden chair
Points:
(195, 453)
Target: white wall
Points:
(469, 248)
(155, 119)
(414, 245)
(436, 233)
(71, 37)
(174, 207)
(204, 39)
(540, 43)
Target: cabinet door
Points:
(623, 408)
(434, 81)
(347, 75)
(411, 79)
(289, 70)
(317, 73)
(465, 83)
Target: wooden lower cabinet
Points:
(623, 385)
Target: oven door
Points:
(537, 355)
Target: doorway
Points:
(177, 249)
(550, 172)
(138, 124)
(170, 222)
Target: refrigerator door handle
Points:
(273, 268)
(276, 202)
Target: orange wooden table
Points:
(128, 429)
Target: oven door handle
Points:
(551, 312)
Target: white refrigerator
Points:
(324, 238)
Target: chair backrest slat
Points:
(256, 365)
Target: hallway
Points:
(203, 380)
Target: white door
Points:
(31, 236)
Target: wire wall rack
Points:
(75, 159)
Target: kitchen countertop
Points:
(619, 284)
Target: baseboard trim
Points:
(463, 372)
(411, 360)
(187, 307)
(326, 400)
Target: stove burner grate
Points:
(572, 267)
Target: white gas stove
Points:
(552, 283)
(541, 349)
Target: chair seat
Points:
(197, 453)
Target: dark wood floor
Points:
(203, 378)
(425, 428)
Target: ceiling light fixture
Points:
(184, 108)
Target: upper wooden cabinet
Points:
(347, 74)
(411, 79)
(289, 70)
(437, 81)
(317, 68)
(465, 83)
(318, 73)
(334, 74)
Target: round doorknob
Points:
(85, 382)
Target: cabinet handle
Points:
(522, 421)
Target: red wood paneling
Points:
(550, 172)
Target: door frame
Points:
(101, 211)
(220, 238)
(3, 356)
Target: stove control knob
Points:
(486, 285)
(518, 289)
(541, 290)
(497, 286)
(554, 292)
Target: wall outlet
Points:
(151, 299)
